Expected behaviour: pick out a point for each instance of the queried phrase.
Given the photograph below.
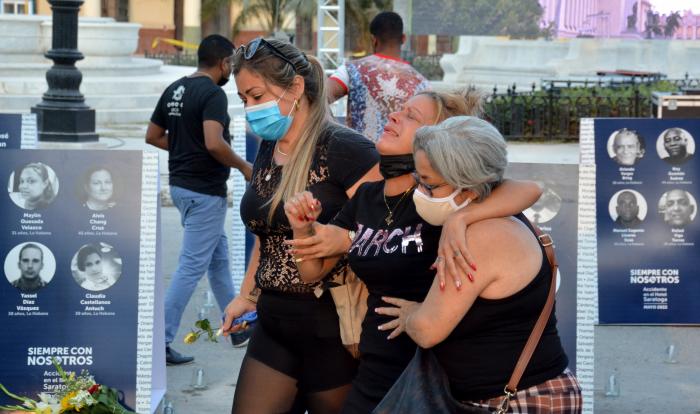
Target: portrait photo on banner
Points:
(98, 189)
(675, 146)
(30, 266)
(96, 266)
(33, 186)
(678, 207)
(626, 147)
(627, 208)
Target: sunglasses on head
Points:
(249, 50)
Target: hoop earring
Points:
(296, 104)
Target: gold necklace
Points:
(390, 217)
(277, 148)
(268, 176)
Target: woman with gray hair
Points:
(478, 333)
(389, 245)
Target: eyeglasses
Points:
(427, 187)
(249, 50)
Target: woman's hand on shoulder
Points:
(454, 261)
(302, 211)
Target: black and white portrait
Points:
(677, 207)
(98, 189)
(546, 207)
(96, 266)
(30, 267)
(675, 146)
(628, 209)
(33, 186)
(626, 147)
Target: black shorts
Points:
(299, 336)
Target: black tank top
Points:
(481, 352)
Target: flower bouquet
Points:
(78, 394)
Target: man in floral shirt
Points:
(379, 84)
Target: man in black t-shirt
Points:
(191, 122)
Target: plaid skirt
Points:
(560, 395)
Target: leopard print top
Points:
(342, 157)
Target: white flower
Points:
(82, 399)
(48, 398)
(43, 407)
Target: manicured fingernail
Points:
(442, 285)
(379, 327)
(471, 278)
(458, 284)
(473, 266)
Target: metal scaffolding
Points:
(331, 33)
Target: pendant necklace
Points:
(272, 161)
(390, 217)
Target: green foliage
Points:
(514, 18)
(673, 22)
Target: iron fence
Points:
(554, 112)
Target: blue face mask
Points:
(266, 120)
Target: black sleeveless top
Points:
(342, 157)
(481, 352)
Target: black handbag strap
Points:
(511, 388)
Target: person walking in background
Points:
(191, 122)
(379, 84)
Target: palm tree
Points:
(653, 25)
(673, 22)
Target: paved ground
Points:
(220, 361)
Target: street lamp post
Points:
(62, 115)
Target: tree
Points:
(673, 22)
(652, 27)
(514, 18)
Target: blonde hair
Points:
(467, 101)
(295, 173)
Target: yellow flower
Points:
(65, 401)
(190, 338)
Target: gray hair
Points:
(467, 151)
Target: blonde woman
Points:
(295, 347)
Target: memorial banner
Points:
(646, 208)
(555, 213)
(18, 131)
(78, 243)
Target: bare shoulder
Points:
(505, 236)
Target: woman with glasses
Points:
(391, 231)
(295, 347)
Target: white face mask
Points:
(435, 210)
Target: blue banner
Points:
(555, 213)
(70, 240)
(646, 208)
(18, 131)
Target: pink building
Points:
(690, 26)
(597, 18)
